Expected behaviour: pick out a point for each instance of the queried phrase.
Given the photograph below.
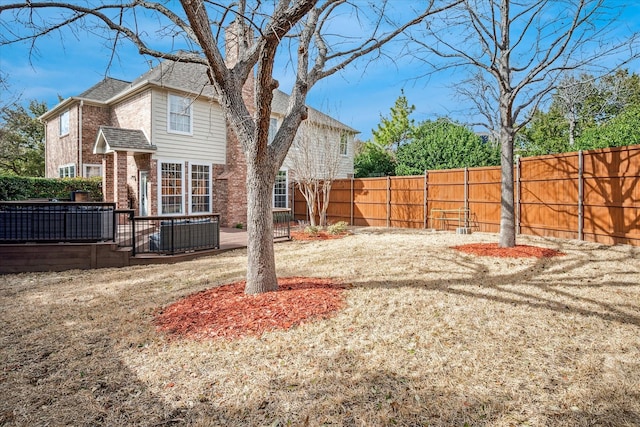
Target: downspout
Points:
(80, 167)
(46, 161)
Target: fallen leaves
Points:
(227, 312)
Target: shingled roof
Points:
(188, 77)
(117, 139)
(179, 75)
(280, 103)
(105, 90)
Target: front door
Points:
(144, 193)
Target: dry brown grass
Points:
(430, 336)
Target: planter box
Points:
(185, 235)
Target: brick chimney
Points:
(234, 211)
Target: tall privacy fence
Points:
(590, 195)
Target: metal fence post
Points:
(133, 232)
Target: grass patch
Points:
(428, 336)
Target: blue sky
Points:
(66, 64)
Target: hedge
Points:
(25, 188)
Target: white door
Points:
(144, 193)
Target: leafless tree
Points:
(516, 52)
(315, 34)
(315, 161)
(570, 96)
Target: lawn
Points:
(427, 335)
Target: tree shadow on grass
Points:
(535, 286)
(79, 378)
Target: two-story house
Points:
(162, 146)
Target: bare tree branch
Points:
(260, 30)
(525, 53)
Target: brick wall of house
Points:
(153, 178)
(133, 113)
(132, 182)
(137, 163)
(61, 149)
(219, 193)
(108, 189)
(92, 118)
(120, 180)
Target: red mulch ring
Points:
(519, 251)
(227, 312)
(320, 235)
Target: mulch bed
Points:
(227, 312)
(320, 235)
(519, 251)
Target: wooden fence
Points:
(590, 195)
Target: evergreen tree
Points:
(396, 130)
(624, 129)
(442, 144)
(22, 139)
(547, 133)
(373, 160)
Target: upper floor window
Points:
(67, 171)
(180, 114)
(344, 146)
(64, 123)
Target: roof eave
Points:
(147, 83)
(67, 103)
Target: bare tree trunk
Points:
(572, 131)
(261, 266)
(309, 190)
(507, 238)
(326, 190)
(507, 208)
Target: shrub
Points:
(23, 188)
(337, 228)
(311, 230)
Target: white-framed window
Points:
(180, 115)
(171, 188)
(273, 129)
(67, 171)
(91, 171)
(281, 190)
(344, 143)
(200, 189)
(64, 123)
